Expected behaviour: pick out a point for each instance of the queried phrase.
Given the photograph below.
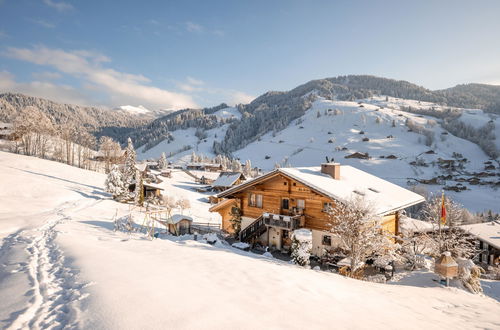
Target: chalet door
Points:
(285, 205)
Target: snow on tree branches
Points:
(301, 246)
(129, 171)
(451, 237)
(162, 162)
(359, 231)
(114, 183)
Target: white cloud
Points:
(46, 75)
(236, 97)
(201, 90)
(58, 5)
(194, 27)
(47, 90)
(194, 81)
(43, 23)
(120, 86)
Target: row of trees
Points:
(36, 135)
(227, 163)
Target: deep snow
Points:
(62, 265)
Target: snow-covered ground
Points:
(62, 265)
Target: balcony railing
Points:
(283, 221)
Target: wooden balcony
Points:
(288, 222)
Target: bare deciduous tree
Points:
(357, 227)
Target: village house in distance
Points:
(286, 199)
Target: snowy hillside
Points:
(63, 266)
(377, 126)
(185, 142)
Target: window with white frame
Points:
(255, 200)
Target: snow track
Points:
(55, 293)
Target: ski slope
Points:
(63, 266)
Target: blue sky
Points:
(165, 54)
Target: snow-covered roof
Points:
(226, 179)
(178, 217)
(410, 225)
(141, 166)
(383, 196)
(153, 185)
(488, 232)
(207, 174)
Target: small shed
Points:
(6, 131)
(152, 190)
(180, 224)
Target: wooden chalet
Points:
(286, 199)
(227, 180)
(204, 167)
(487, 236)
(6, 131)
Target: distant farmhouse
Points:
(275, 204)
(6, 131)
(204, 167)
(487, 235)
(227, 180)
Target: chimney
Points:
(332, 169)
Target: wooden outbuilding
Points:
(180, 224)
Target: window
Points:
(284, 183)
(301, 204)
(285, 203)
(327, 206)
(255, 200)
(327, 240)
(259, 201)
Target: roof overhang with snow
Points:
(488, 232)
(384, 196)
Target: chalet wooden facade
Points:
(275, 204)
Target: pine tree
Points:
(301, 246)
(129, 169)
(162, 162)
(114, 183)
(139, 189)
(247, 169)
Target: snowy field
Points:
(62, 265)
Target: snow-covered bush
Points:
(125, 224)
(301, 246)
(469, 274)
(114, 183)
